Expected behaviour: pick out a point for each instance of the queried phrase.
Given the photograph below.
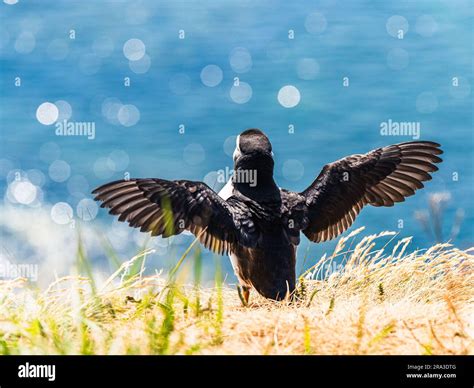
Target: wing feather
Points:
(166, 208)
(381, 177)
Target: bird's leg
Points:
(244, 294)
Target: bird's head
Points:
(252, 143)
(253, 164)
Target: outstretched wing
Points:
(379, 178)
(168, 207)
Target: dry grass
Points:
(378, 303)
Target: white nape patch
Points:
(237, 152)
(227, 190)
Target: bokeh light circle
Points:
(25, 43)
(36, 177)
(241, 93)
(62, 213)
(395, 24)
(315, 23)
(47, 113)
(59, 171)
(24, 192)
(229, 145)
(240, 60)
(140, 66)
(134, 49)
(128, 115)
(87, 209)
(118, 160)
(211, 75)
(289, 96)
(110, 108)
(65, 110)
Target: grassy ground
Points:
(379, 303)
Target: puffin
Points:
(257, 223)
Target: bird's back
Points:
(269, 263)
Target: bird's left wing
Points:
(167, 208)
(378, 178)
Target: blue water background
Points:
(331, 121)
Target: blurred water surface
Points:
(167, 84)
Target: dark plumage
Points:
(259, 224)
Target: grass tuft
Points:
(378, 302)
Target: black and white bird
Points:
(259, 224)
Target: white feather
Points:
(226, 191)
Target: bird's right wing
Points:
(167, 208)
(378, 178)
